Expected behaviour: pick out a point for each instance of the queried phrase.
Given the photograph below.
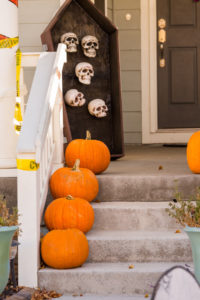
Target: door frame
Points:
(150, 132)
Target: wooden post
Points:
(9, 29)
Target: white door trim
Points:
(150, 132)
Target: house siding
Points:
(130, 61)
(34, 15)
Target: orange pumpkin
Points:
(93, 154)
(69, 212)
(74, 181)
(193, 152)
(64, 249)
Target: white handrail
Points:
(41, 141)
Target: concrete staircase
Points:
(125, 234)
(133, 240)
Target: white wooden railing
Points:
(40, 149)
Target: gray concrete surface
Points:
(138, 246)
(148, 173)
(105, 278)
(144, 216)
(95, 297)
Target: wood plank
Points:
(37, 11)
(131, 101)
(132, 121)
(130, 60)
(133, 138)
(30, 34)
(121, 21)
(129, 39)
(119, 4)
(131, 80)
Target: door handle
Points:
(162, 37)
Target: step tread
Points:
(95, 234)
(130, 205)
(101, 297)
(118, 268)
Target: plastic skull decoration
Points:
(74, 98)
(84, 71)
(70, 39)
(98, 108)
(90, 44)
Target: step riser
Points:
(99, 284)
(128, 282)
(133, 219)
(144, 188)
(139, 251)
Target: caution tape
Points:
(9, 42)
(27, 165)
(18, 113)
(18, 67)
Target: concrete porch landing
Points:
(148, 173)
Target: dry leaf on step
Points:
(177, 231)
(131, 267)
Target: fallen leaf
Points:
(131, 267)
(177, 231)
(146, 296)
(160, 168)
(97, 201)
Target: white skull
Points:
(74, 98)
(84, 71)
(90, 44)
(70, 39)
(98, 108)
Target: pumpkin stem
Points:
(76, 165)
(88, 135)
(69, 197)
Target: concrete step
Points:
(133, 216)
(104, 278)
(155, 187)
(138, 246)
(101, 297)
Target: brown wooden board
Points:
(82, 18)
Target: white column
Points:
(9, 28)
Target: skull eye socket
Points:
(89, 44)
(95, 44)
(91, 71)
(76, 100)
(69, 39)
(99, 108)
(104, 107)
(84, 70)
(79, 95)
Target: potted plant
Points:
(8, 229)
(187, 213)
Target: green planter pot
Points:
(6, 234)
(194, 236)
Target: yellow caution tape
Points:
(18, 113)
(18, 67)
(27, 165)
(9, 42)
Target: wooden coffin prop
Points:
(82, 18)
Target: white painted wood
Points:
(41, 139)
(30, 59)
(150, 131)
(9, 28)
(8, 172)
(29, 210)
(36, 100)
